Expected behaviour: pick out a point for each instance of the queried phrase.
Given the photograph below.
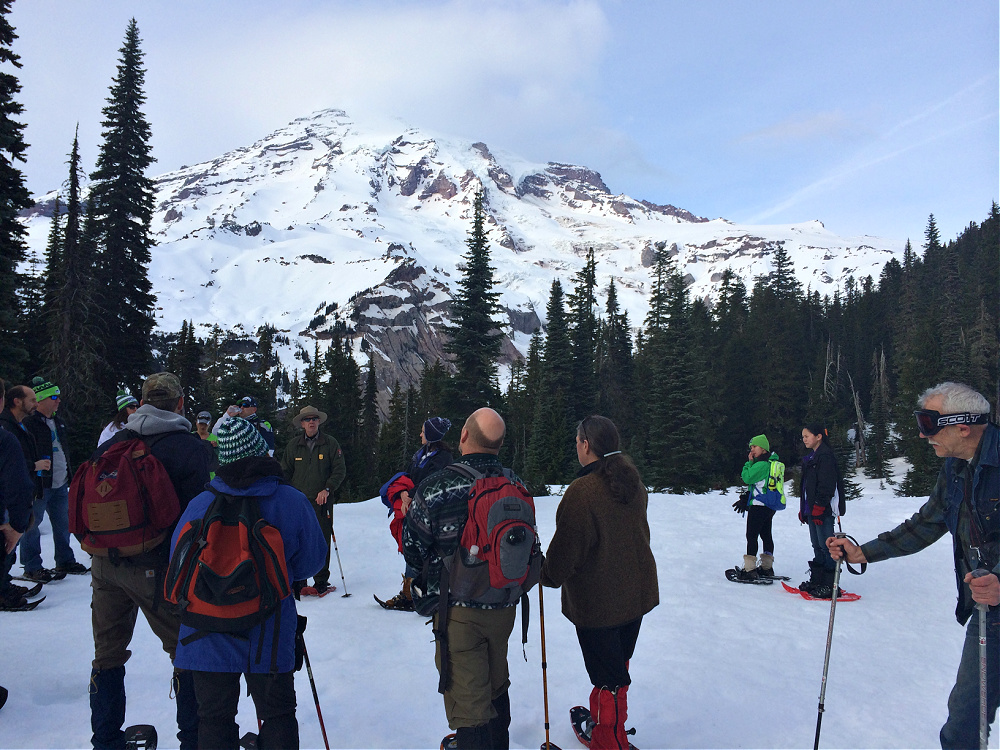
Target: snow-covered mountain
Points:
(326, 219)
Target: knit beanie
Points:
(435, 428)
(239, 439)
(760, 441)
(43, 388)
(124, 399)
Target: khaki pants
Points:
(477, 649)
(119, 592)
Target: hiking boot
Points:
(321, 588)
(825, 592)
(72, 568)
(766, 567)
(747, 575)
(39, 576)
(11, 600)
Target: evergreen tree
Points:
(73, 353)
(519, 414)
(614, 366)
(552, 449)
(583, 338)
(14, 196)
(475, 336)
(368, 442)
(121, 199)
(879, 444)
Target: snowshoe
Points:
(738, 575)
(845, 596)
(320, 591)
(249, 741)
(25, 591)
(73, 569)
(769, 573)
(398, 603)
(450, 742)
(3, 696)
(140, 737)
(583, 726)
(20, 605)
(579, 718)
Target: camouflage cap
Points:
(161, 385)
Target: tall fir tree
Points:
(551, 451)
(121, 198)
(474, 337)
(879, 443)
(73, 352)
(614, 366)
(14, 196)
(581, 303)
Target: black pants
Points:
(759, 519)
(606, 652)
(218, 700)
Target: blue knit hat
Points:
(239, 439)
(436, 428)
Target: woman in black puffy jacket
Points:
(819, 485)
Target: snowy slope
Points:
(328, 212)
(718, 665)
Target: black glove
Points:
(740, 506)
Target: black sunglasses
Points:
(931, 422)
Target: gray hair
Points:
(957, 398)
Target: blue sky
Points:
(868, 116)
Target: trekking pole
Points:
(829, 642)
(983, 724)
(312, 683)
(334, 536)
(545, 682)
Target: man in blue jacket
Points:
(218, 659)
(955, 421)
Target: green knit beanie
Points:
(124, 399)
(43, 388)
(239, 439)
(760, 441)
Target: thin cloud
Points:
(826, 125)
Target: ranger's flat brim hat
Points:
(308, 411)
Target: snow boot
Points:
(824, 589)
(468, 738)
(107, 708)
(187, 709)
(749, 572)
(403, 601)
(766, 569)
(815, 577)
(499, 725)
(609, 709)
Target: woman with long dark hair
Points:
(127, 405)
(819, 485)
(600, 556)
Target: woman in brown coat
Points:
(601, 558)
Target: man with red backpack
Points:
(471, 629)
(128, 577)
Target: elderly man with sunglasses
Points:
(955, 421)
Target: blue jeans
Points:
(55, 502)
(818, 536)
(962, 728)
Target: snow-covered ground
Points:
(718, 665)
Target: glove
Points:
(297, 587)
(817, 514)
(740, 506)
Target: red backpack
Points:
(123, 502)
(499, 555)
(228, 571)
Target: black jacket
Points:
(819, 478)
(17, 490)
(36, 425)
(27, 442)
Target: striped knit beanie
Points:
(44, 388)
(124, 399)
(239, 439)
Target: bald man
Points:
(475, 699)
